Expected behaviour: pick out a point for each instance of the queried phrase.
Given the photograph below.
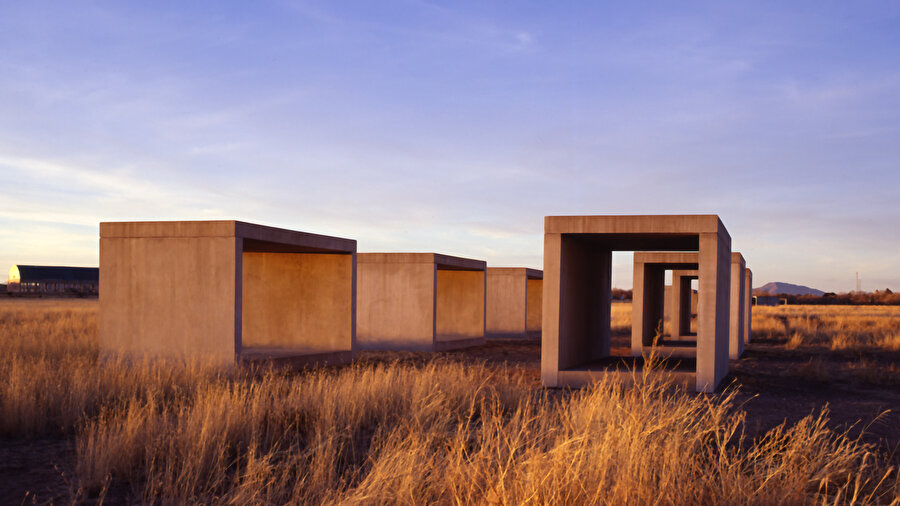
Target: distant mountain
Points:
(778, 288)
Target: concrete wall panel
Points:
(297, 301)
(748, 305)
(396, 305)
(533, 306)
(168, 296)
(736, 319)
(507, 303)
(460, 309)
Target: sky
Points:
(455, 127)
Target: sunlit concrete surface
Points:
(736, 320)
(419, 301)
(513, 302)
(577, 276)
(226, 291)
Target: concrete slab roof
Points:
(259, 238)
(634, 224)
(682, 260)
(443, 262)
(529, 273)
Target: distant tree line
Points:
(877, 298)
(619, 294)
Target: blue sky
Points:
(456, 126)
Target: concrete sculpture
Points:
(226, 291)
(577, 285)
(513, 302)
(419, 301)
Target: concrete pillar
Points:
(748, 305)
(713, 309)
(646, 306)
(736, 325)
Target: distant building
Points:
(768, 300)
(42, 280)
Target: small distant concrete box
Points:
(514, 302)
(577, 276)
(419, 301)
(226, 291)
(681, 305)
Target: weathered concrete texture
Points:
(513, 302)
(748, 305)
(419, 301)
(226, 291)
(577, 275)
(736, 321)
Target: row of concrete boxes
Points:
(228, 291)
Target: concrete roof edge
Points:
(637, 224)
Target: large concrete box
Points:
(419, 301)
(575, 344)
(226, 291)
(514, 302)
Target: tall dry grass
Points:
(372, 433)
(838, 328)
(51, 378)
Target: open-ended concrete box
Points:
(575, 345)
(649, 271)
(226, 291)
(514, 302)
(419, 301)
(681, 306)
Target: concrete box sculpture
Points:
(419, 301)
(647, 303)
(649, 270)
(226, 291)
(513, 302)
(577, 286)
(681, 305)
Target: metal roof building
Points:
(53, 280)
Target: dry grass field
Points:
(802, 420)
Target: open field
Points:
(472, 426)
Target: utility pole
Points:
(857, 281)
